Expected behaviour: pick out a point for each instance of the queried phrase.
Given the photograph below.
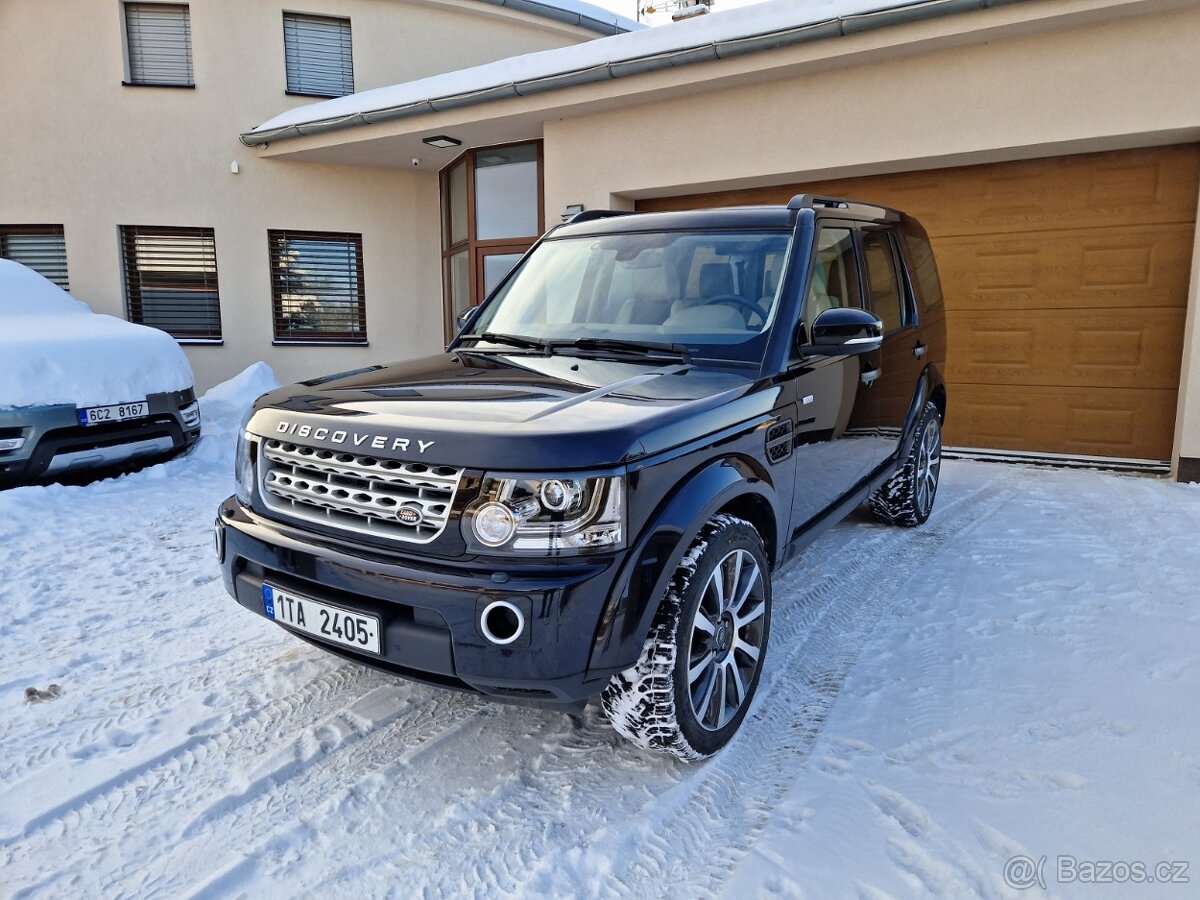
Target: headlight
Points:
(547, 515)
(243, 462)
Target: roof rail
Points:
(811, 201)
(589, 214)
(808, 201)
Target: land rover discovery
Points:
(587, 493)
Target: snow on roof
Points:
(573, 12)
(521, 74)
(55, 350)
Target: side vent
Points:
(779, 441)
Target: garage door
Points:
(1066, 286)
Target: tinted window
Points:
(921, 265)
(887, 298)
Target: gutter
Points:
(839, 26)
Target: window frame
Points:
(49, 231)
(296, 92)
(317, 338)
(477, 249)
(129, 79)
(127, 235)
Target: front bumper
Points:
(429, 609)
(53, 445)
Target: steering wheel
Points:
(746, 307)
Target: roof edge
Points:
(570, 17)
(837, 26)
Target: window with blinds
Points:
(41, 247)
(171, 280)
(158, 41)
(319, 58)
(317, 288)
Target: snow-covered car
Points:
(83, 393)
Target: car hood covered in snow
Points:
(54, 349)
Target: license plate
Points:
(330, 623)
(118, 412)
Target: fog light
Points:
(7, 444)
(190, 415)
(494, 524)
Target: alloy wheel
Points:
(726, 639)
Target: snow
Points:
(1017, 677)
(54, 349)
(763, 18)
(591, 11)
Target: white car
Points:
(82, 393)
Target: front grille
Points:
(407, 501)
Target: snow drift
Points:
(54, 349)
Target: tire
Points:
(906, 499)
(654, 703)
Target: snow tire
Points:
(653, 702)
(906, 499)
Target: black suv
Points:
(587, 493)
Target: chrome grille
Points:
(359, 493)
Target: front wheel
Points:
(907, 497)
(699, 669)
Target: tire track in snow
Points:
(95, 808)
(696, 838)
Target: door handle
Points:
(919, 350)
(869, 378)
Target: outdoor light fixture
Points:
(442, 141)
(572, 210)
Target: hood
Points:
(512, 411)
(54, 349)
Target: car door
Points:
(901, 358)
(833, 453)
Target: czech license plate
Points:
(330, 623)
(118, 412)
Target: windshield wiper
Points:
(620, 345)
(512, 340)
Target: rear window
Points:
(922, 268)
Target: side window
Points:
(834, 281)
(921, 265)
(887, 298)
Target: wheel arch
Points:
(729, 485)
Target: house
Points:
(1050, 147)
(124, 180)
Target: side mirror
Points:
(465, 317)
(844, 330)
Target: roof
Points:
(718, 35)
(574, 12)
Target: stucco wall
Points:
(80, 149)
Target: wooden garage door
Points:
(1066, 285)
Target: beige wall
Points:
(81, 150)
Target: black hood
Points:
(512, 411)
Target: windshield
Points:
(713, 293)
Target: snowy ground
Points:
(1019, 677)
